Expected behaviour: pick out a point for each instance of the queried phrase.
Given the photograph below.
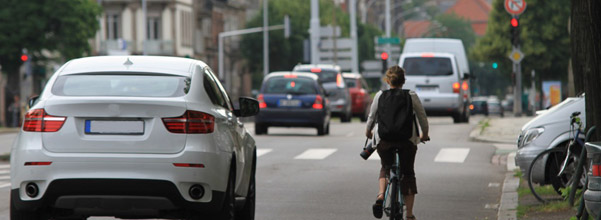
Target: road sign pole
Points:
(517, 104)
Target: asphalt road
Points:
(304, 176)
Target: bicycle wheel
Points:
(553, 159)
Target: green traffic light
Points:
(495, 65)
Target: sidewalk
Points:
(503, 133)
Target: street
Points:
(304, 176)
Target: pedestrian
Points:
(395, 78)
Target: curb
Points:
(509, 195)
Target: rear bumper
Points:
(592, 200)
(441, 104)
(116, 197)
(292, 117)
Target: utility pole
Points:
(314, 31)
(354, 49)
(265, 39)
(387, 22)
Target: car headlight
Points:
(531, 134)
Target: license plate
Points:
(427, 88)
(289, 103)
(134, 127)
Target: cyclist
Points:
(395, 78)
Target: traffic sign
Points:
(389, 40)
(515, 7)
(516, 55)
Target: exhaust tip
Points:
(196, 192)
(32, 190)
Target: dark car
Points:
(290, 99)
(330, 77)
(361, 100)
(479, 106)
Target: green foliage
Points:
(285, 53)
(453, 26)
(544, 39)
(62, 26)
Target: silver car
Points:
(134, 137)
(548, 130)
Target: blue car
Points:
(292, 99)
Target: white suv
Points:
(134, 137)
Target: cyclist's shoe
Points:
(377, 208)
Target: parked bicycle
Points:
(559, 164)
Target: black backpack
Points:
(395, 115)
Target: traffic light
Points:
(495, 65)
(384, 57)
(515, 32)
(24, 57)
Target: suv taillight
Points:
(192, 122)
(318, 102)
(261, 100)
(37, 120)
(596, 162)
(456, 87)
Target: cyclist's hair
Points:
(395, 76)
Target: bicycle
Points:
(559, 164)
(393, 198)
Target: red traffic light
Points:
(514, 22)
(384, 55)
(24, 57)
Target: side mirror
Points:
(248, 107)
(33, 100)
(466, 76)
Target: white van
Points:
(435, 77)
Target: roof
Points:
(285, 73)
(414, 28)
(321, 66)
(474, 10)
(149, 64)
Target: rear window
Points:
(325, 76)
(281, 85)
(428, 66)
(121, 85)
(350, 83)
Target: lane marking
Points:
(315, 154)
(261, 152)
(4, 171)
(4, 166)
(494, 184)
(350, 134)
(4, 177)
(374, 156)
(4, 185)
(452, 155)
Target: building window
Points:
(113, 26)
(153, 28)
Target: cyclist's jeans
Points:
(407, 151)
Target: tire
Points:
(228, 209)
(328, 128)
(260, 129)
(248, 211)
(345, 118)
(364, 116)
(394, 198)
(456, 118)
(555, 157)
(22, 215)
(321, 130)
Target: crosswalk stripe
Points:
(374, 156)
(4, 171)
(4, 177)
(261, 152)
(4, 166)
(4, 185)
(452, 155)
(316, 154)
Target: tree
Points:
(586, 57)
(285, 53)
(453, 26)
(543, 37)
(62, 26)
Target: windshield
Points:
(428, 66)
(281, 85)
(350, 83)
(121, 85)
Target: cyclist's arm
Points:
(420, 112)
(371, 119)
